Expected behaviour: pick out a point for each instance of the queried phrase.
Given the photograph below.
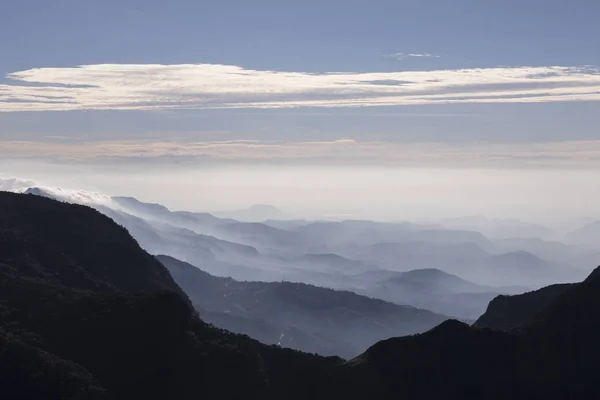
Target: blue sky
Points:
(206, 72)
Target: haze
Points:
(549, 196)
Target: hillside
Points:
(338, 322)
(511, 312)
(552, 356)
(87, 314)
(431, 289)
(587, 236)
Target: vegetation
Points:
(506, 313)
(85, 313)
(297, 315)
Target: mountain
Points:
(434, 280)
(286, 224)
(87, 314)
(574, 255)
(451, 361)
(526, 269)
(433, 290)
(76, 239)
(365, 233)
(341, 322)
(76, 323)
(259, 235)
(335, 263)
(500, 228)
(467, 260)
(506, 313)
(551, 356)
(255, 213)
(191, 220)
(332, 254)
(587, 236)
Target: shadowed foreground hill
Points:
(505, 313)
(553, 355)
(85, 313)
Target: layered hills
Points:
(86, 313)
(297, 315)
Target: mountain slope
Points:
(452, 361)
(506, 313)
(553, 355)
(87, 314)
(255, 213)
(500, 228)
(73, 327)
(469, 261)
(341, 322)
(587, 236)
(431, 289)
(91, 241)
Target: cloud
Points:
(402, 56)
(214, 86)
(86, 197)
(19, 185)
(579, 154)
(12, 183)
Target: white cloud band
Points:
(547, 154)
(206, 86)
(402, 56)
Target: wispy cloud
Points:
(13, 183)
(402, 56)
(211, 86)
(548, 154)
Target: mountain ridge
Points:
(316, 311)
(61, 339)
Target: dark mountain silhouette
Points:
(85, 313)
(553, 355)
(330, 321)
(452, 361)
(257, 251)
(84, 237)
(506, 313)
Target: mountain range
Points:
(88, 314)
(297, 315)
(345, 255)
(433, 290)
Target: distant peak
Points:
(426, 272)
(125, 201)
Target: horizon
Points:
(387, 110)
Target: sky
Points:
(131, 96)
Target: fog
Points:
(562, 199)
(312, 263)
